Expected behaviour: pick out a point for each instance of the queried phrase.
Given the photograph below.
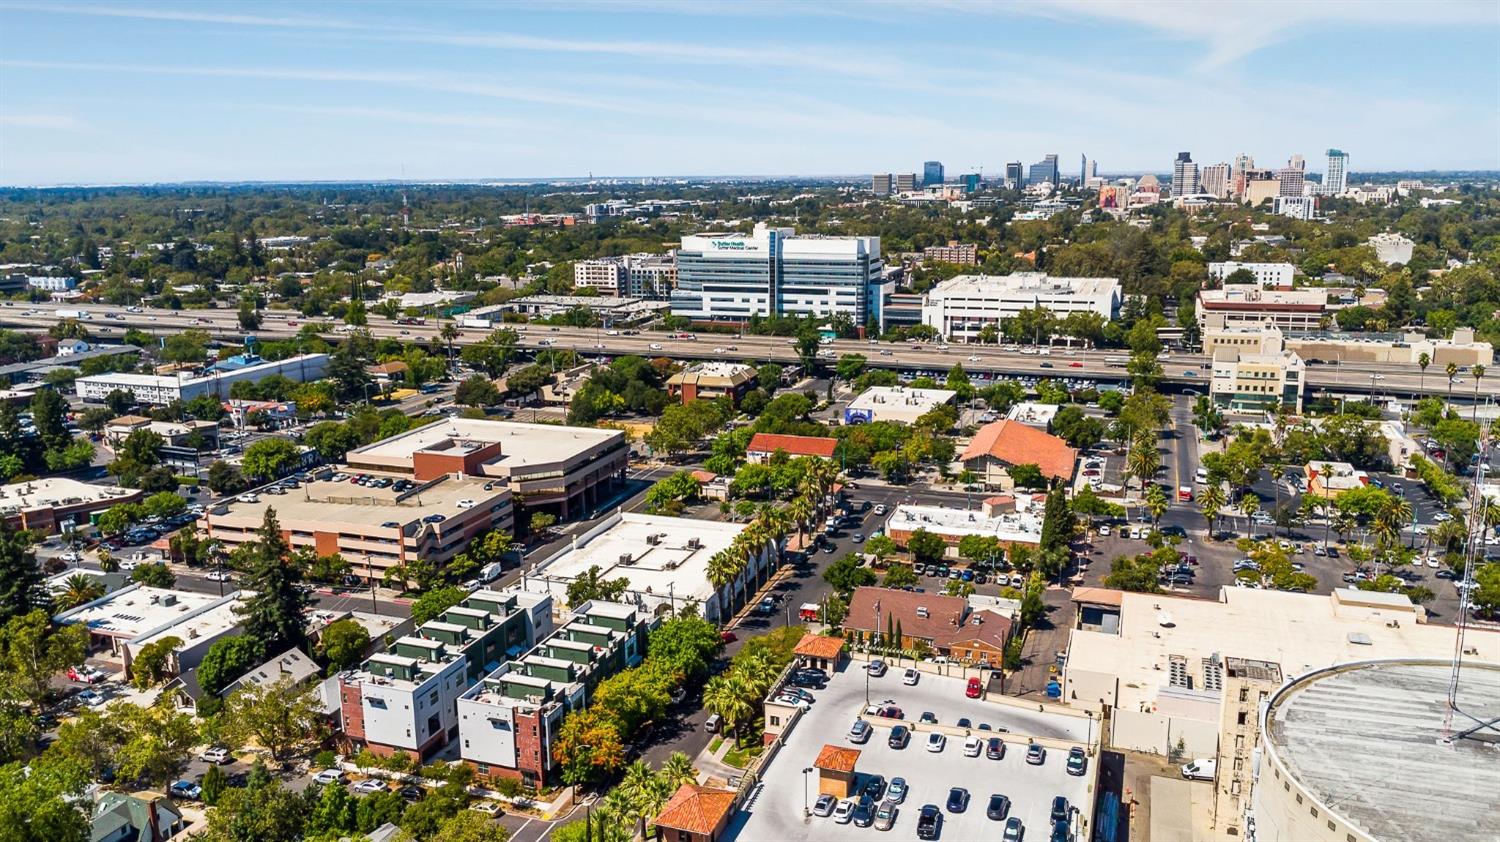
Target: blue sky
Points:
(138, 92)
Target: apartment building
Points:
(1248, 305)
(960, 307)
(163, 389)
(508, 720)
(406, 698)
(606, 274)
(963, 254)
(1295, 207)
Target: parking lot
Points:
(772, 813)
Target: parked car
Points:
(929, 822)
(973, 690)
(896, 792)
(936, 742)
(90, 698)
(1035, 754)
(900, 737)
(1077, 761)
(1014, 830)
(885, 816)
(329, 776)
(877, 668)
(973, 746)
(860, 731)
(489, 808)
(843, 812)
(369, 785)
(994, 748)
(874, 787)
(911, 676)
(824, 805)
(185, 789)
(217, 755)
(958, 800)
(85, 674)
(998, 808)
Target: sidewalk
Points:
(710, 764)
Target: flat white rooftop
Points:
(520, 444)
(672, 565)
(201, 626)
(1301, 632)
(55, 492)
(1031, 283)
(1020, 526)
(901, 399)
(131, 612)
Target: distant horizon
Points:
(146, 92)
(519, 181)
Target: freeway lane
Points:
(1180, 370)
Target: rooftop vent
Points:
(627, 558)
(922, 611)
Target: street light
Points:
(806, 811)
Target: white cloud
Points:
(50, 122)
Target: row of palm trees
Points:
(735, 694)
(728, 568)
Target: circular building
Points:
(1358, 753)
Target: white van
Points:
(490, 572)
(1202, 769)
(1201, 476)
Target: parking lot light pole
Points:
(806, 811)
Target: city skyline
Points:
(239, 92)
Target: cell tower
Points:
(1467, 724)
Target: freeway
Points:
(1180, 370)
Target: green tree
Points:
(38, 803)
(284, 718)
(227, 659)
(153, 664)
(33, 650)
(343, 643)
(478, 391)
(432, 604)
(270, 458)
(926, 547)
(470, 826)
(900, 576)
(336, 812)
(224, 478)
(591, 584)
(155, 575)
(21, 579)
(1027, 476)
(848, 573)
(275, 610)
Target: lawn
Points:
(740, 758)
(713, 745)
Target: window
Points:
(484, 768)
(1331, 825)
(1314, 812)
(1299, 797)
(1244, 696)
(1242, 717)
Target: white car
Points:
(911, 676)
(794, 701)
(936, 742)
(844, 811)
(655, 346)
(489, 808)
(973, 746)
(129, 564)
(217, 755)
(466, 503)
(329, 776)
(90, 698)
(218, 576)
(1104, 531)
(973, 359)
(369, 785)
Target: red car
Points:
(728, 637)
(1075, 364)
(85, 674)
(973, 690)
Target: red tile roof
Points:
(793, 445)
(837, 759)
(820, 646)
(1015, 443)
(696, 809)
(944, 613)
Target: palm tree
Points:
(1250, 504)
(449, 333)
(678, 770)
(78, 589)
(727, 695)
(1143, 460)
(107, 561)
(1478, 372)
(1452, 373)
(722, 569)
(1389, 518)
(1211, 501)
(801, 511)
(1344, 523)
(1156, 503)
(1423, 361)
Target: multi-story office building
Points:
(1043, 171)
(1266, 274)
(961, 306)
(607, 275)
(1237, 174)
(964, 254)
(1391, 249)
(406, 699)
(900, 404)
(651, 276)
(1015, 176)
(163, 389)
(775, 272)
(932, 173)
(712, 379)
(1248, 305)
(561, 469)
(508, 721)
(1246, 381)
(1295, 207)
(1184, 175)
(970, 182)
(1290, 181)
(1261, 339)
(881, 184)
(1260, 186)
(1215, 178)
(1338, 173)
(906, 182)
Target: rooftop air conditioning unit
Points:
(653, 539)
(921, 611)
(627, 558)
(694, 543)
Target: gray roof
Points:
(1366, 741)
(115, 810)
(70, 360)
(292, 663)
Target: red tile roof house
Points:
(695, 814)
(944, 624)
(764, 445)
(1004, 444)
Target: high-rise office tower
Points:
(1297, 162)
(1090, 170)
(881, 184)
(1338, 173)
(1242, 164)
(1044, 170)
(1291, 178)
(906, 182)
(932, 173)
(1215, 180)
(1184, 175)
(1083, 169)
(1015, 176)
